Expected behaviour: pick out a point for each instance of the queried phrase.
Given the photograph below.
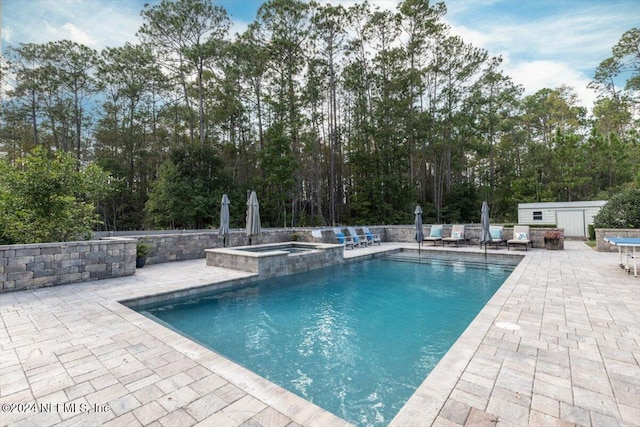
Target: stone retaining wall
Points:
(177, 247)
(398, 233)
(601, 233)
(49, 264)
(191, 245)
(36, 265)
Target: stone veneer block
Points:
(48, 264)
(278, 261)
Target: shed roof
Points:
(559, 205)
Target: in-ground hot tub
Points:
(277, 258)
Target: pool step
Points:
(506, 265)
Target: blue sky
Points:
(544, 43)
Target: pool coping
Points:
(573, 284)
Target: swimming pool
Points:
(355, 339)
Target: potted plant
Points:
(142, 250)
(552, 239)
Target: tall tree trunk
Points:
(77, 119)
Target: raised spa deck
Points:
(276, 259)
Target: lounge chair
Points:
(347, 241)
(496, 236)
(457, 235)
(435, 234)
(359, 240)
(371, 238)
(521, 236)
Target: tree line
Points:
(333, 115)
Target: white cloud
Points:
(237, 27)
(6, 34)
(477, 38)
(96, 24)
(540, 74)
(69, 31)
(561, 45)
(580, 41)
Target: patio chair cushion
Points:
(435, 232)
(496, 233)
(522, 236)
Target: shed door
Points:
(572, 222)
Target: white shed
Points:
(574, 217)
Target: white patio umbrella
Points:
(485, 236)
(224, 219)
(253, 216)
(418, 222)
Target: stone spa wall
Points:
(277, 261)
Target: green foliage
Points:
(142, 250)
(45, 198)
(625, 61)
(621, 211)
(186, 34)
(333, 114)
(188, 190)
(462, 205)
(278, 181)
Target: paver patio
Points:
(558, 344)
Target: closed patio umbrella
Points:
(253, 216)
(224, 219)
(485, 236)
(418, 221)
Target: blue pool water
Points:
(355, 339)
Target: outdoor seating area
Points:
(457, 236)
(354, 239)
(372, 239)
(435, 234)
(521, 237)
(96, 350)
(495, 231)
